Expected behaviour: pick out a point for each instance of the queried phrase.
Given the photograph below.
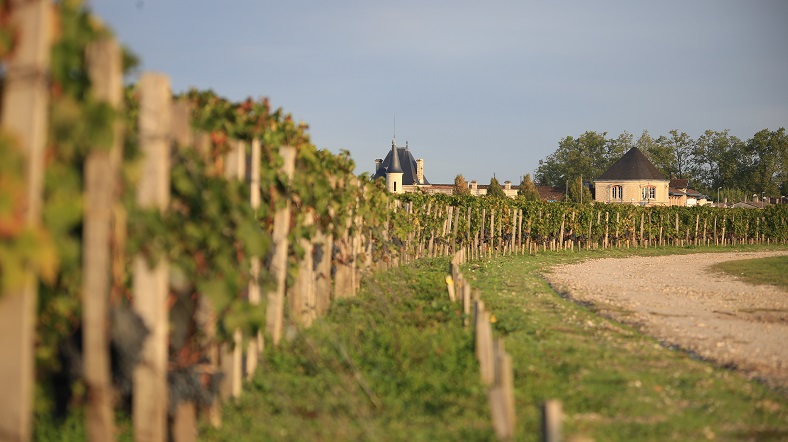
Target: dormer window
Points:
(617, 192)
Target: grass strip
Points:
(763, 271)
(392, 364)
(615, 384)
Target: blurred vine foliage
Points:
(542, 221)
(209, 231)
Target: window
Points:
(649, 193)
(617, 192)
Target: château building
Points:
(403, 173)
(633, 179)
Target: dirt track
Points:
(678, 301)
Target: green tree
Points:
(659, 151)
(767, 150)
(460, 186)
(589, 155)
(681, 146)
(494, 190)
(617, 147)
(719, 159)
(578, 193)
(528, 189)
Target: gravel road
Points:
(679, 301)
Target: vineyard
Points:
(153, 245)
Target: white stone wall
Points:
(394, 183)
(633, 192)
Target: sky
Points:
(475, 88)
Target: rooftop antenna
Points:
(395, 129)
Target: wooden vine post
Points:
(588, 238)
(561, 233)
(642, 222)
(447, 229)
(484, 343)
(552, 415)
(344, 276)
(481, 235)
(520, 232)
(301, 296)
(357, 241)
(150, 284)
(453, 248)
(25, 103)
(468, 229)
(276, 296)
(101, 169)
(500, 236)
(492, 232)
(255, 346)
(232, 355)
(184, 422)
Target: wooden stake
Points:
(185, 423)
(466, 304)
(454, 230)
(232, 354)
(301, 296)
(256, 342)
(484, 345)
(323, 273)
(492, 232)
(104, 64)
(276, 297)
(552, 415)
(150, 285)
(25, 104)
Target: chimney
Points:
(474, 187)
(419, 170)
(378, 164)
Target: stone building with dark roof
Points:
(403, 173)
(632, 179)
(682, 195)
(400, 160)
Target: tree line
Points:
(715, 162)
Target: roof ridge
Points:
(633, 165)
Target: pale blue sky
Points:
(476, 87)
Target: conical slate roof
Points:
(407, 165)
(395, 166)
(634, 165)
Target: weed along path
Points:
(679, 301)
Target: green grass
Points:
(395, 364)
(615, 384)
(767, 271)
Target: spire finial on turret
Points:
(394, 164)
